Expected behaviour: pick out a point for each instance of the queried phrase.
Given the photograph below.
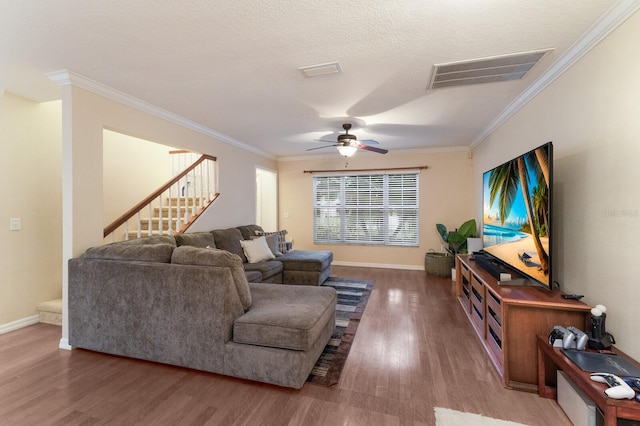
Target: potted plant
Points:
(457, 239)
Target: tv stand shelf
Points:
(507, 320)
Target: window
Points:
(366, 209)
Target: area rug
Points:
(447, 417)
(352, 299)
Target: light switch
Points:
(15, 224)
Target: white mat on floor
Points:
(447, 417)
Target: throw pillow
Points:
(229, 240)
(257, 250)
(272, 242)
(282, 241)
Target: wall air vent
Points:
(484, 70)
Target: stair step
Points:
(50, 312)
(174, 201)
(174, 211)
(154, 223)
(145, 233)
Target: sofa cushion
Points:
(285, 316)
(306, 260)
(150, 239)
(188, 255)
(195, 239)
(130, 252)
(253, 276)
(272, 242)
(229, 240)
(247, 231)
(267, 269)
(257, 250)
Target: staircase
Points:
(50, 312)
(168, 219)
(173, 207)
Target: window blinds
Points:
(378, 209)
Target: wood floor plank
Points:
(414, 350)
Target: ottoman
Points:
(306, 267)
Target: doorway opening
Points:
(266, 199)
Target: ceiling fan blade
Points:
(322, 140)
(321, 147)
(368, 142)
(373, 149)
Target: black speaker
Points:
(489, 265)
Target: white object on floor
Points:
(577, 406)
(448, 417)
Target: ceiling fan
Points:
(347, 144)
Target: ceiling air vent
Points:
(484, 70)
(322, 69)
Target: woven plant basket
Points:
(438, 264)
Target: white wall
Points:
(30, 170)
(592, 115)
(445, 197)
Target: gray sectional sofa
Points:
(162, 299)
(300, 267)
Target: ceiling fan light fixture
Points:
(346, 150)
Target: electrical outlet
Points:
(15, 224)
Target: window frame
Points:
(333, 200)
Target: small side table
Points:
(551, 359)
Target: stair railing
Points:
(174, 206)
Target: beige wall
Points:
(591, 113)
(445, 197)
(132, 169)
(30, 170)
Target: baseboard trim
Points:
(14, 325)
(379, 265)
(64, 344)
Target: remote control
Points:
(618, 388)
(634, 382)
(572, 296)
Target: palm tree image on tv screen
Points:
(516, 213)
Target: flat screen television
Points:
(516, 228)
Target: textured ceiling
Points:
(233, 66)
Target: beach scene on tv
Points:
(516, 213)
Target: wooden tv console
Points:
(507, 320)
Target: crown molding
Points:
(65, 78)
(613, 18)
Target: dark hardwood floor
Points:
(414, 350)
